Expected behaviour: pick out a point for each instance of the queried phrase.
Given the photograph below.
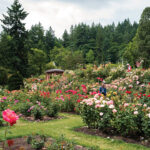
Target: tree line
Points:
(30, 52)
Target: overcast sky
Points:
(61, 14)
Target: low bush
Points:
(15, 82)
(3, 76)
(52, 109)
(126, 119)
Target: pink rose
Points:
(114, 110)
(10, 116)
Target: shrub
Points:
(125, 122)
(24, 108)
(37, 142)
(80, 73)
(37, 112)
(3, 77)
(1, 120)
(15, 82)
(50, 65)
(146, 126)
(118, 72)
(126, 119)
(52, 110)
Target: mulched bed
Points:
(18, 144)
(21, 144)
(135, 140)
(45, 118)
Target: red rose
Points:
(128, 92)
(10, 142)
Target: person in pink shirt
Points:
(129, 68)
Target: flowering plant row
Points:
(126, 119)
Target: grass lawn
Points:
(66, 127)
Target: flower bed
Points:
(126, 108)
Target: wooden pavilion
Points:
(53, 71)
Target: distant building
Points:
(53, 71)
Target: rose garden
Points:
(86, 89)
(68, 112)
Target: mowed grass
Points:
(66, 127)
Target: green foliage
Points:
(131, 53)
(146, 126)
(5, 54)
(52, 109)
(66, 39)
(13, 26)
(144, 37)
(23, 108)
(65, 58)
(89, 116)
(62, 144)
(90, 56)
(1, 120)
(100, 45)
(125, 123)
(15, 82)
(117, 73)
(3, 76)
(103, 73)
(50, 65)
(37, 141)
(36, 37)
(37, 112)
(37, 61)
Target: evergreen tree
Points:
(36, 37)
(100, 45)
(144, 36)
(90, 56)
(37, 61)
(49, 42)
(5, 53)
(65, 39)
(131, 53)
(13, 26)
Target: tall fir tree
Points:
(66, 39)
(100, 45)
(36, 37)
(144, 37)
(49, 42)
(14, 27)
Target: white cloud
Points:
(61, 14)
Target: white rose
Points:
(148, 115)
(101, 114)
(135, 112)
(111, 106)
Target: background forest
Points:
(31, 52)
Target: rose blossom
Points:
(96, 96)
(102, 105)
(101, 113)
(10, 116)
(111, 106)
(110, 102)
(114, 110)
(126, 104)
(135, 112)
(148, 115)
(97, 106)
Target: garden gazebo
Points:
(53, 71)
